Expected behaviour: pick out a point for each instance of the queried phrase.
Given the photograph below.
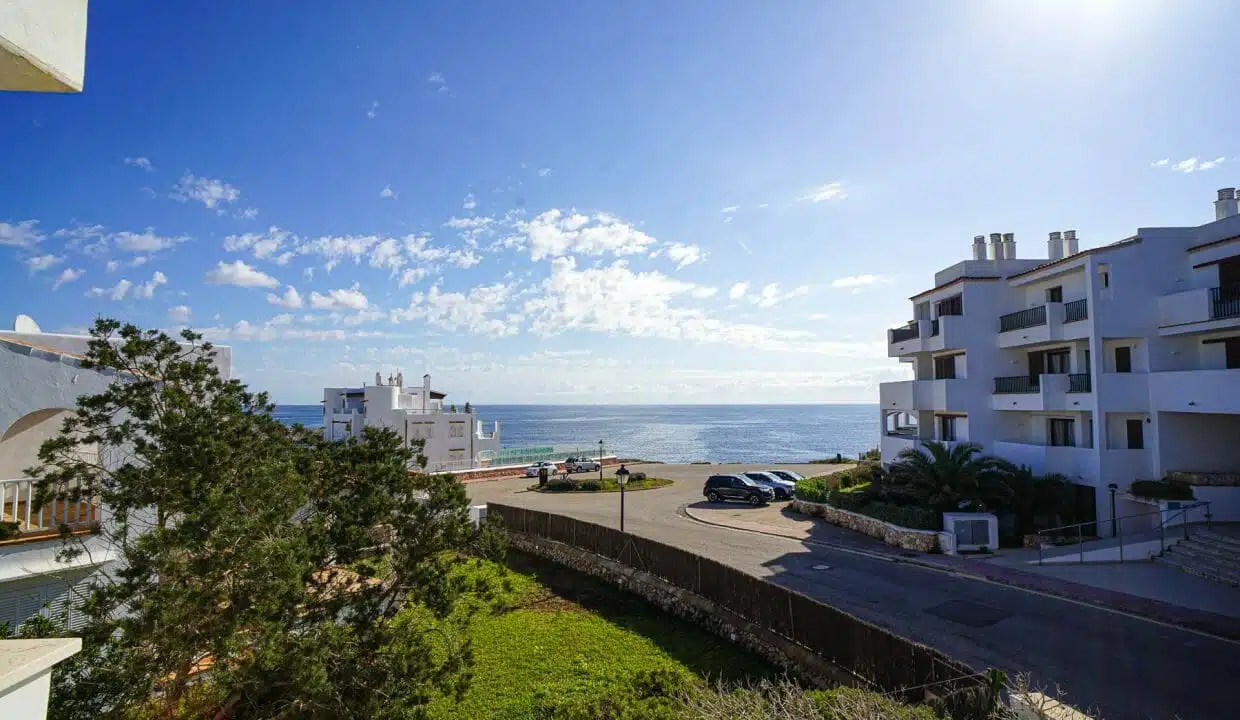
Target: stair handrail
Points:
(1118, 527)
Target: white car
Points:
(532, 471)
(788, 475)
(573, 465)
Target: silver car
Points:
(532, 471)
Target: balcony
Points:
(1051, 322)
(922, 395)
(1195, 391)
(17, 505)
(1199, 310)
(1074, 462)
(908, 332)
(1044, 392)
(1125, 392)
(941, 333)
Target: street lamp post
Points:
(622, 477)
(600, 461)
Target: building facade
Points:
(1109, 365)
(42, 45)
(452, 438)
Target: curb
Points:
(1203, 622)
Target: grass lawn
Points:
(607, 485)
(571, 638)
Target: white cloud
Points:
(1188, 165)
(247, 214)
(146, 290)
(139, 260)
(544, 172)
(857, 283)
(179, 314)
(737, 291)
(204, 190)
(351, 299)
(437, 78)
(1161, 163)
(728, 219)
(290, 298)
(703, 292)
(22, 234)
(140, 162)
(239, 274)
(824, 193)
(481, 311)
(145, 242)
(117, 292)
(67, 275)
(387, 192)
(554, 234)
(88, 239)
(43, 262)
(770, 296)
(263, 245)
(730, 209)
(470, 202)
(818, 316)
(764, 205)
(112, 266)
(684, 255)
(463, 258)
(411, 276)
(280, 328)
(373, 112)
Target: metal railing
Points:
(1118, 529)
(934, 327)
(1032, 317)
(1076, 310)
(1016, 384)
(18, 505)
(908, 332)
(1079, 383)
(1225, 302)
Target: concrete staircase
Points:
(1210, 555)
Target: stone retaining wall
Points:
(926, 541)
(778, 650)
(511, 471)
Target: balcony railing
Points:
(1016, 384)
(17, 506)
(1076, 310)
(1225, 302)
(1032, 317)
(1078, 382)
(908, 332)
(934, 327)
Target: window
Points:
(1123, 359)
(1061, 432)
(945, 368)
(1057, 362)
(1136, 435)
(953, 305)
(1054, 294)
(947, 428)
(456, 430)
(1104, 276)
(1232, 346)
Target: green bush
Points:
(909, 516)
(590, 485)
(637, 476)
(1161, 490)
(813, 489)
(872, 454)
(561, 486)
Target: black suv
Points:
(734, 487)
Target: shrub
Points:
(637, 476)
(913, 517)
(561, 486)
(813, 489)
(1161, 490)
(872, 454)
(590, 485)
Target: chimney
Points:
(426, 391)
(1009, 246)
(1069, 241)
(1054, 246)
(996, 246)
(979, 247)
(1225, 206)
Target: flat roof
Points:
(1212, 243)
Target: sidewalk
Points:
(1147, 591)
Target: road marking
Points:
(967, 576)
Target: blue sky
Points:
(567, 202)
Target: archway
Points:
(19, 450)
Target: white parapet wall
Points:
(43, 45)
(26, 674)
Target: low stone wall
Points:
(926, 541)
(782, 652)
(509, 471)
(1207, 479)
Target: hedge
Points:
(1161, 490)
(909, 516)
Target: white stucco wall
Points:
(43, 45)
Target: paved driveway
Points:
(1128, 667)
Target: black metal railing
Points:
(934, 327)
(951, 306)
(1078, 382)
(1016, 384)
(908, 332)
(1075, 310)
(1032, 317)
(1225, 302)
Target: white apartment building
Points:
(42, 45)
(453, 439)
(1108, 365)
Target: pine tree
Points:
(246, 584)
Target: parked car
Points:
(788, 475)
(720, 488)
(532, 471)
(572, 465)
(782, 488)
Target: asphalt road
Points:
(1127, 667)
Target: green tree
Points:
(247, 547)
(953, 478)
(1038, 501)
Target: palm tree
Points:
(954, 478)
